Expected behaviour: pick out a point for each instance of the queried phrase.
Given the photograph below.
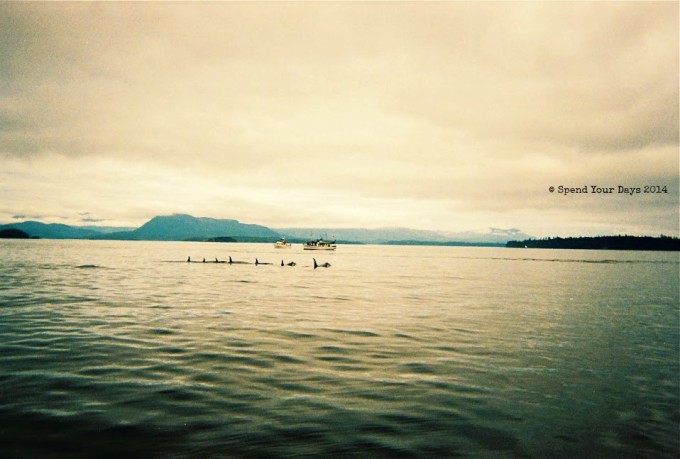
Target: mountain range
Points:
(181, 227)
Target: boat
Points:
(319, 244)
(282, 244)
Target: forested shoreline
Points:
(663, 243)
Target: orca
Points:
(258, 262)
(323, 265)
(189, 259)
(292, 263)
(232, 262)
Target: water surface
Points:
(123, 349)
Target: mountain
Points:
(163, 228)
(363, 235)
(493, 235)
(52, 230)
(403, 235)
(180, 227)
(107, 229)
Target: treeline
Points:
(665, 243)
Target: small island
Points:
(661, 243)
(13, 233)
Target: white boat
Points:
(282, 244)
(319, 244)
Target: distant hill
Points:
(371, 236)
(106, 229)
(447, 243)
(52, 230)
(403, 236)
(162, 228)
(180, 227)
(602, 243)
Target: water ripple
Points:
(434, 352)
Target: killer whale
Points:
(258, 262)
(189, 260)
(232, 262)
(323, 265)
(292, 263)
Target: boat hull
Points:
(319, 244)
(316, 247)
(282, 244)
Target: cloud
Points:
(158, 79)
(448, 113)
(588, 76)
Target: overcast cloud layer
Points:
(447, 116)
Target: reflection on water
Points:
(123, 348)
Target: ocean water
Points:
(123, 349)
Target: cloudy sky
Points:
(453, 116)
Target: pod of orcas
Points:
(257, 262)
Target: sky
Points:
(449, 116)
